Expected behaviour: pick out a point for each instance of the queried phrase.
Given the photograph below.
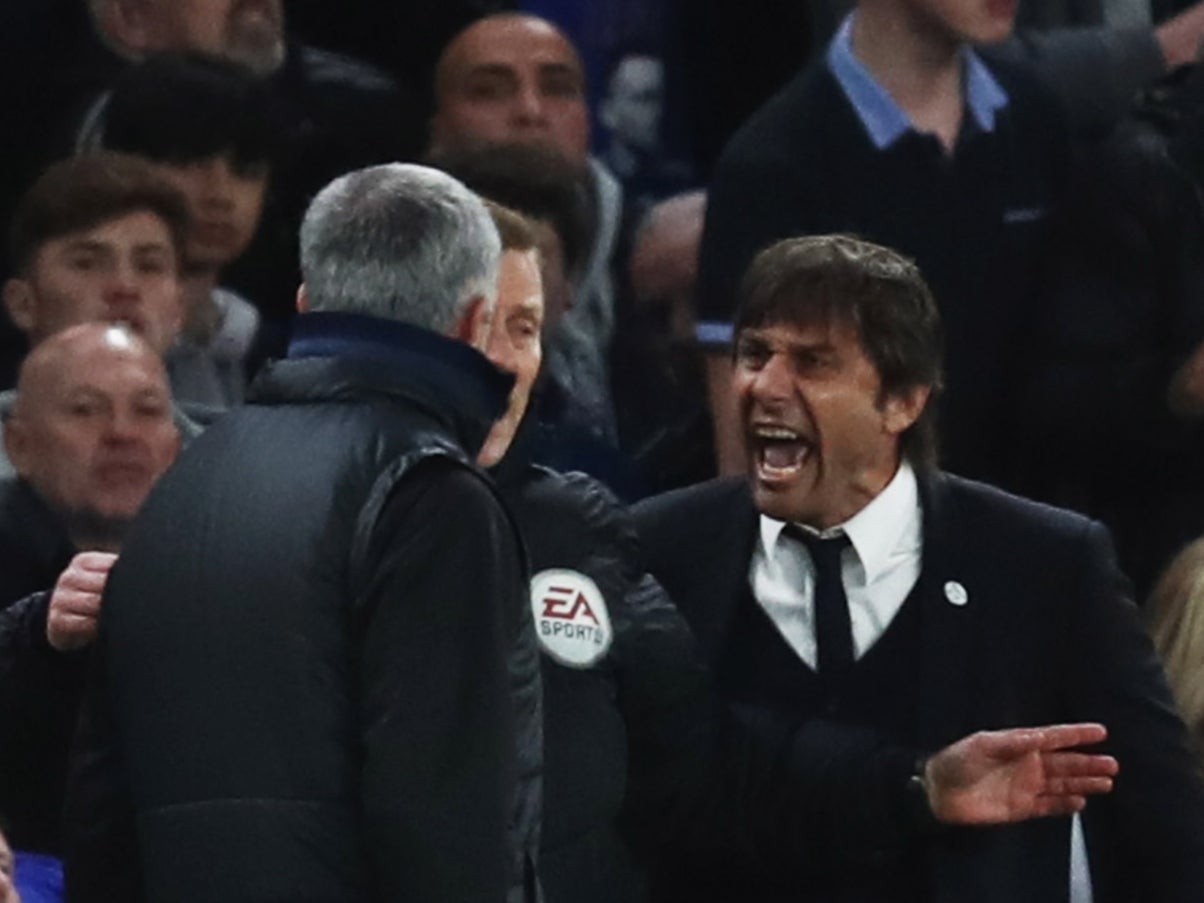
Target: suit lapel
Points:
(948, 636)
(722, 565)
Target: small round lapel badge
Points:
(956, 593)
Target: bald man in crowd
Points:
(515, 78)
(89, 434)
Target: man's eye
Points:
(751, 356)
(153, 266)
(524, 329)
(84, 262)
(562, 86)
(486, 89)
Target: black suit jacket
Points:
(1047, 634)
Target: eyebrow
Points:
(87, 244)
(490, 69)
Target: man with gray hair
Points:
(316, 654)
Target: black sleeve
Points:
(1150, 829)
(705, 780)
(440, 614)
(101, 861)
(40, 691)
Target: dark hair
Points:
(81, 193)
(826, 278)
(533, 180)
(185, 107)
(515, 230)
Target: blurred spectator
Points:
(208, 127)
(404, 38)
(516, 78)
(336, 114)
(1095, 55)
(1115, 379)
(98, 239)
(901, 134)
(89, 434)
(659, 383)
(633, 114)
(1175, 614)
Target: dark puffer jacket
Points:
(306, 646)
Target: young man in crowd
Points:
(208, 127)
(99, 238)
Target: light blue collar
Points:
(884, 119)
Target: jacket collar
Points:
(344, 356)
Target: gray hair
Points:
(401, 242)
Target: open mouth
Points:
(780, 452)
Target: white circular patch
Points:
(571, 619)
(956, 593)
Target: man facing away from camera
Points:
(317, 637)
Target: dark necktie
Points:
(833, 629)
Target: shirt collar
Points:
(885, 120)
(889, 525)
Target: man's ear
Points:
(903, 408)
(302, 299)
(473, 325)
(16, 442)
(126, 23)
(20, 303)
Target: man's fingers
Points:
(1078, 786)
(68, 601)
(1019, 741)
(87, 581)
(1071, 764)
(93, 561)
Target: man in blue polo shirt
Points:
(901, 134)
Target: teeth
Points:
(771, 432)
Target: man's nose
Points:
(122, 426)
(218, 178)
(123, 283)
(529, 106)
(775, 380)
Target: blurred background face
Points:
(92, 429)
(514, 344)
(632, 109)
(968, 21)
(123, 270)
(225, 201)
(512, 78)
(250, 32)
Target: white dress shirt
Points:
(879, 569)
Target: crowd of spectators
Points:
(1042, 163)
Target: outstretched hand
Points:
(995, 777)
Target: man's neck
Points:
(918, 64)
(201, 317)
